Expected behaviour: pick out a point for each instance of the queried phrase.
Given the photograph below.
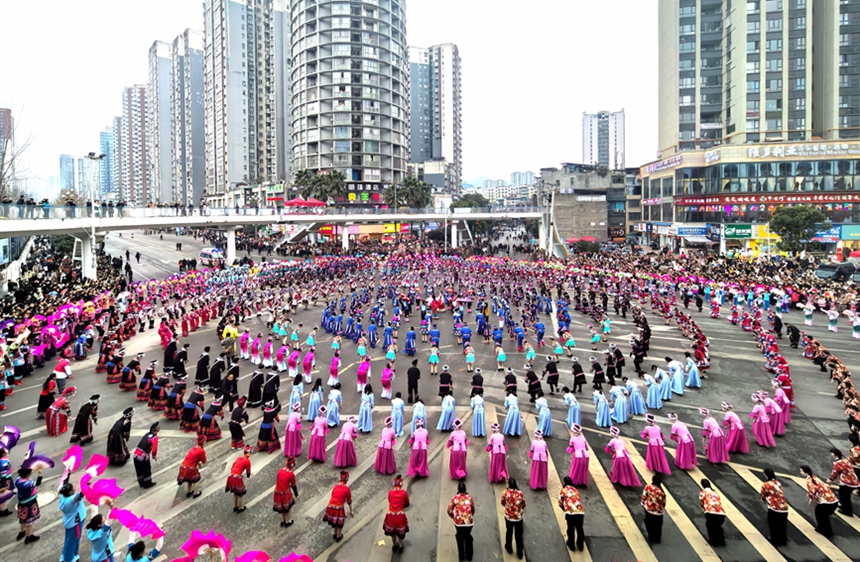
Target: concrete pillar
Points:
(88, 258)
(231, 246)
(542, 233)
(453, 234)
(344, 237)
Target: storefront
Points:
(275, 195)
(850, 237)
(735, 237)
(763, 241)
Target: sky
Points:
(528, 73)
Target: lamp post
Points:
(95, 158)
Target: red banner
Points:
(769, 198)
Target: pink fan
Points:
(34, 461)
(104, 489)
(254, 556)
(98, 464)
(293, 557)
(10, 437)
(73, 458)
(146, 527)
(198, 543)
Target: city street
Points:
(613, 516)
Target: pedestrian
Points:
(824, 498)
(286, 492)
(146, 450)
(74, 513)
(384, 463)
(656, 456)
(578, 446)
(118, 436)
(395, 524)
(413, 374)
(100, 533)
(82, 432)
(538, 453)
(514, 504)
(189, 470)
(653, 499)
(335, 512)
(715, 516)
(344, 454)
(459, 444)
(461, 509)
(622, 471)
(418, 457)
(316, 449)
(574, 514)
(772, 495)
(28, 504)
(843, 475)
(236, 481)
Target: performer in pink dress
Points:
(244, 343)
(716, 447)
(293, 433)
(498, 455)
(685, 454)
(578, 446)
(334, 369)
(281, 359)
(344, 453)
(775, 409)
(267, 354)
(781, 398)
(655, 459)
(538, 454)
(737, 437)
(761, 426)
(362, 374)
(316, 449)
(308, 363)
(418, 458)
(458, 443)
(384, 463)
(255, 349)
(293, 362)
(622, 471)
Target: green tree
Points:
(473, 200)
(796, 226)
(333, 187)
(63, 243)
(412, 193)
(307, 182)
(587, 247)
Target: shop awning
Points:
(698, 240)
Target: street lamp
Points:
(96, 158)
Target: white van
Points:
(211, 257)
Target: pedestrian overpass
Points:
(88, 227)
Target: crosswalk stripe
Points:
(822, 543)
(747, 529)
(553, 488)
(618, 509)
(687, 528)
(446, 544)
(490, 418)
(850, 521)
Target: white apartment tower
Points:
(241, 101)
(188, 147)
(603, 139)
(350, 88)
(159, 91)
(436, 112)
(132, 148)
(735, 72)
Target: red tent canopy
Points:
(588, 239)
(297, 202)
(572, 240)
(315, 203)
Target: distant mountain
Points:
(477, 182)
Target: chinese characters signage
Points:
(672, 162)
(738, 231)
(811, 150)
(768, 198)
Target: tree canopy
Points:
(323, 186)
(471, 200)
(796, 226)
(412, 193)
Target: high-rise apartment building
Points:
(88, 178)
(187, 125)
(68, 181)
(350, 85)
(116, 154)
(107, 165)
(159, 115)
(7, 138)
(603, 139)
(244, 60)
(744, 72)
(132, 147)
(519, 179)
(436, 120)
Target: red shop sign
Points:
(770, 198)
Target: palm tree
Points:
(394, 196)
(306, 180)
(418, 193)
(334, 186)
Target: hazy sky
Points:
(529, 71)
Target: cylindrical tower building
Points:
(350, 99)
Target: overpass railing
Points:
(30, 212)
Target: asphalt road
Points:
(613, 524)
